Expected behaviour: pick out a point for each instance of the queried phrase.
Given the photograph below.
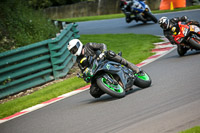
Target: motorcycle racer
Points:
(171, 28)
(126, 9)
(82, 52)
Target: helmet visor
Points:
(75, 48)
(165, 25)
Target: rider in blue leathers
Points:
(126, 8)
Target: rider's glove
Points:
(87, 72)
(101, 55)
(173, 43)
(141, 73)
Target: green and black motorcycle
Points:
(113, 78)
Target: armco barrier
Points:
(36, 64)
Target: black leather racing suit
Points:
(174, 23)
(89, 50)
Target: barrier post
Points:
(171, 6)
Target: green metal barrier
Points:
(36, 64)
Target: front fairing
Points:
(111, 67)
(183, 33)
(140, 6)
(194, 29)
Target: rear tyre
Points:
(194, 43)
(95, 91)
(113, 90)
(143, 81)
(181, 50)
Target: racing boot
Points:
(141, 73)
(131, 66)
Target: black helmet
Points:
(184, 18)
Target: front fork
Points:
(195, 36)
(110, 79)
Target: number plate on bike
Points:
(194, 28)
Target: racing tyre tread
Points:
(142, 83)
(181, 50)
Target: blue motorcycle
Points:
(137, 10)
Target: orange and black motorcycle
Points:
(187, 37)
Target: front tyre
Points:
(153, 18)
(113, 90)
(142, 81)
(181, 50)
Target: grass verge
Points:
(40, 96)
(192, 130)
(121, 15)
(131, 45)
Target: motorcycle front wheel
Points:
(153, 18)
(113, 90)
(181, 50)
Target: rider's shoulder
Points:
(174, 20)
(89, 44)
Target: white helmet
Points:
(164, 23)
(75, 47)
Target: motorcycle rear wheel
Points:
(143, 81)
(113, 90)
(194, 43)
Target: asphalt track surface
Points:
(120, 26)
(170, 105)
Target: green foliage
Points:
(21, 25)
(40, 3)
(192, 130)
(47, 3)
